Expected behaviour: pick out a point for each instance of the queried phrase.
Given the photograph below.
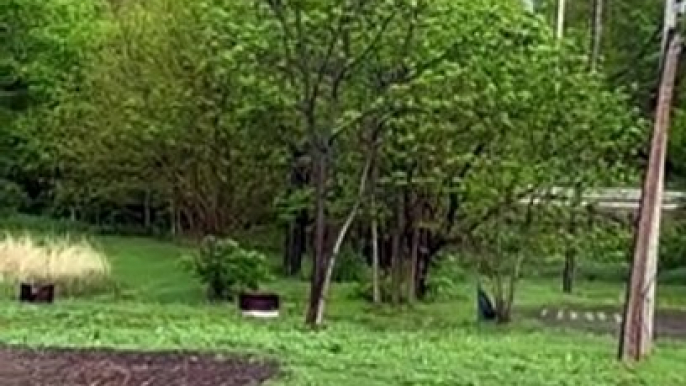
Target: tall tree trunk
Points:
(172, 217)
(412, 274)
(296, 244)
(430, 245)
(637, 331)
(397, 250)
(321, 258)
(376, 285)
(569, 271)
(423, 259)
(596, 32)
(414, 261)
(395, 262)
(147, 212)
(296, 233)
(376, 288)
(325, 270)
(288, 246)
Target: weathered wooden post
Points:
(637, 327)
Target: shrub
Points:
(443, 283)
(12, 197)
(444, 279)
(364, 289)
(350, 267)
(74, 267)
(18, 223)
(673, 246)
(226, 268)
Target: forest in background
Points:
(395, 129)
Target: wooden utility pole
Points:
(637, 327)
(672, 9)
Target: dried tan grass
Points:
(60, 261)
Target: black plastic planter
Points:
(37, 293)
(259, 305)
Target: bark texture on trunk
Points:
(414, 261)
(296, 245)
(397, 251)
(326, 254)
(376, 287)
(320, 261)
(568, 273)
(636, 338)
(296, 233)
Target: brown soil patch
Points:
(57, 367)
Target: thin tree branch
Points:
(288, 39)
(344, 231)
(335, 37)
(371, 46)
(511, 199)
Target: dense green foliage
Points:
(43, 55)
(211, 117)
(404, 150)
(421, 128)
(227, 269)
(170, 116)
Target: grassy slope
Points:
(161, 307)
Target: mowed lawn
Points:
(160, 306)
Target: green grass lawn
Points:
(159, 306)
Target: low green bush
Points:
(19, 223)
(364, 289)
(226, 268)
(12, 197)
(443, 283)
(350, 267)
(445, 277)
(673, 246)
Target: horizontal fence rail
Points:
(624, 199)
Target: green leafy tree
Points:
(166, 118)
(43, 45)
(440, 101)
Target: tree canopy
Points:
(424, 123)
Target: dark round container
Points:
(259, 304)
(36, 293)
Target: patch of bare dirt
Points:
(57, 367)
